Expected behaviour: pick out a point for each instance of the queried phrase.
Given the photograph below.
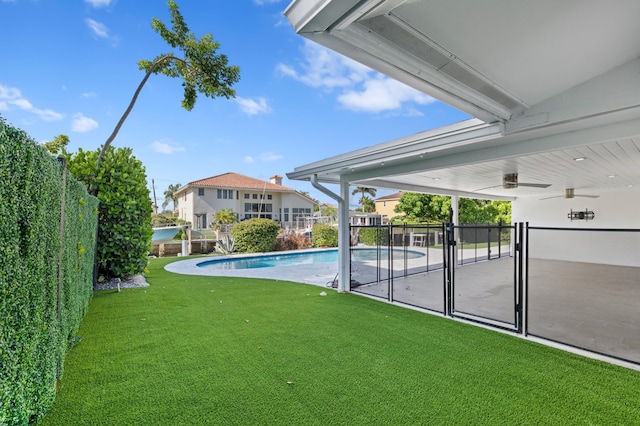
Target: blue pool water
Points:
(285, 259)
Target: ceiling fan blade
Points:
(555, 196)
(535, 185)
(587, 196)
(488, 187)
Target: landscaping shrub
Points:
(255, 235)
(323, 235)
(294, 242)
(124, 237)
(374, 236)
(34, 335)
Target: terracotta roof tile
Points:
(238, 181)
(395, 196)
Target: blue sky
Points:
(70, 67)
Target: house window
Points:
(225, 194)
(255, 196)
(269, 197)
(384, 204)
(286, 214)
(246, 196)
(201, 192)
(258, 210)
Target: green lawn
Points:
(204, 350)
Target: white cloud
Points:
(263, 2)
(166, 147)
(265, 157)
(382, 94)
(89, 95)
(98, 28)
(358, 88)
(98, 3)
(269, 156)
(82, 124)
(253, 106)
(10, 96)
(325, 69)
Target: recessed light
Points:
(579, 158)
(436, 178)
(611, 176)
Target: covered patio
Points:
(555, 92)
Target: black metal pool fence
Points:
(575, 286)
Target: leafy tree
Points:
(428, 208)
(201, 68)
(58, 145)
(124, 234)
(363, 191)
(423, 208)
(169, 196)
(331, 212)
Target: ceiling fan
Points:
(570, 193)
(510, 181)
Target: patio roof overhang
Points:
(548, 83)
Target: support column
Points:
(344, 240)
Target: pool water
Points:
(286, 259)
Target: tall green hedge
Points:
(323, 235)
(33, 340)
(255, 235)
(374, 236)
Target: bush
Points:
(255, 235)
(294, 242)
(374, 236)
(124, 237)
(34, 336)
(323, 235)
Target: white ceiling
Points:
(532, 49)
(553, 80)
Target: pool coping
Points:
(319, 274)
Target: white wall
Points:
(614, 210)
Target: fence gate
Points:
(484, 274)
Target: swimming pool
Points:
(286, 259)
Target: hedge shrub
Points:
(33, 341)
(323, 235)
(124, 238)
(374, 236)
(255, 235)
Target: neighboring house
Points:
(365, 219)
(386, 205)
(198, 201)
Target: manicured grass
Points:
(204, 350)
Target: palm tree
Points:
(224, 217)
(368, 205)
(364, 190)
(169, 195)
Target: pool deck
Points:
(320, 274)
